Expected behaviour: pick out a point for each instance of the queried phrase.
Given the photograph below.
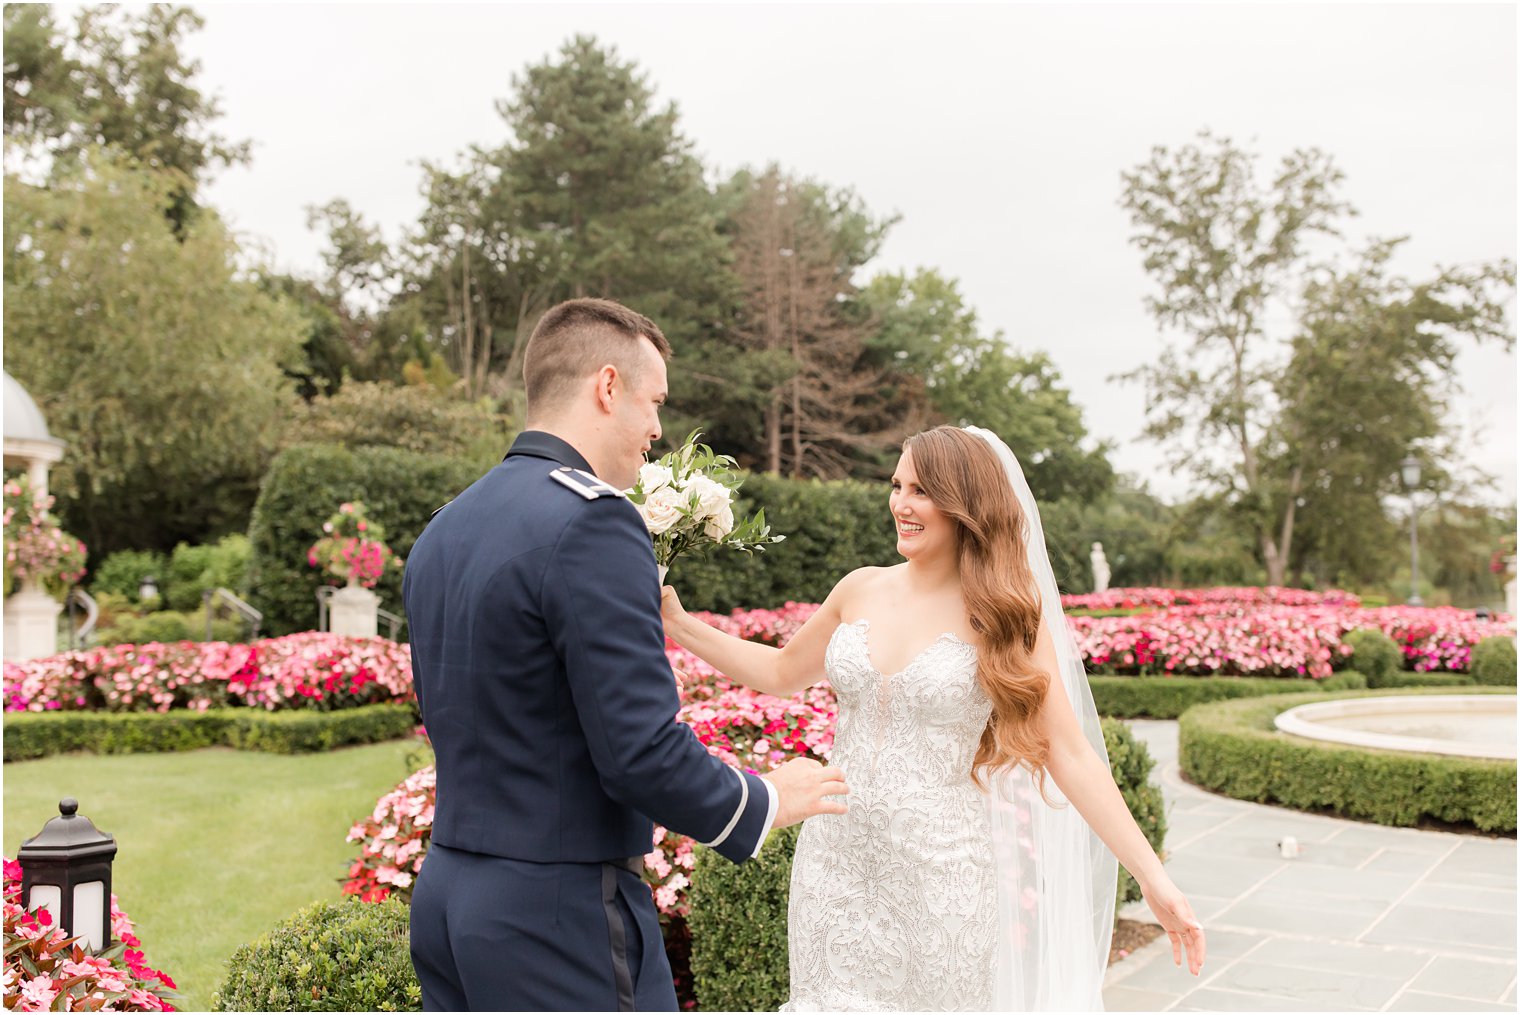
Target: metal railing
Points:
(226, 597)
(78, 599)
(324, 599)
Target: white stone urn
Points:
(354, 611)
(31, 623)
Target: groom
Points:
(538, 660)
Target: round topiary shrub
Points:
(1493, 662)
(332, 956)
(1375, 655)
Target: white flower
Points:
(662, 509)
(653, 476)
(720, 524)
(711, 497)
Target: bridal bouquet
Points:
(687, 500)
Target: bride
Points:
(970, 872)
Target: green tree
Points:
(826, 409)
(926, 331)
(120, 80)
(40, 85)
(153, 360)
(1266, 420)
(595, 192)
(327, 357)
(1371, 378)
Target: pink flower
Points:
(38, 992)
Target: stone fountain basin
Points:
(1473, 726)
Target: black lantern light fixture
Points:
(147, 592)
(66, 869)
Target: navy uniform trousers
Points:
(593, 925)
(538, 658)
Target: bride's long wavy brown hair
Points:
(961, 474)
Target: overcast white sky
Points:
(998, 133)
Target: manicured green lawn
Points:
(214, 846)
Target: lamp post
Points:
(66, 869)
(1409, 469)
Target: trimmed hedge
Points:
(1130, 762)
(739, 911)
(1233, 748)
(31, 735)
(331, 956)
(1433, 678)
(305, 484)
(738, 927)
(1169, 697)
(1493, 662)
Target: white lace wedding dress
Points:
(894, 905)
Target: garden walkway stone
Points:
(1366, 918)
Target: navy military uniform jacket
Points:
(538, 661)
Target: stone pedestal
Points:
(31, 623)
(354, 612)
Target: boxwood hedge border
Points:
(31, 735)
(1232, 747)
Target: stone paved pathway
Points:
(1367, 918)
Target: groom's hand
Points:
(805, 788)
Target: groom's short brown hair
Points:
(576, 338)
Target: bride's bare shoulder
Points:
(859, 584)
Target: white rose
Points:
(711, 497)
(653, 476)
(661, 509)
(720, 524)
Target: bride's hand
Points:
(1176, 917)
(671, 610)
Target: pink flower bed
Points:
(44, 971)
(1275, 641)
(310, 670)
(1223, 632)
(1250, 595)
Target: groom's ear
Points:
(608, 381)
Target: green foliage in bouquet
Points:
(331, 956)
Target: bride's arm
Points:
(1089, 784)
(781, 672)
